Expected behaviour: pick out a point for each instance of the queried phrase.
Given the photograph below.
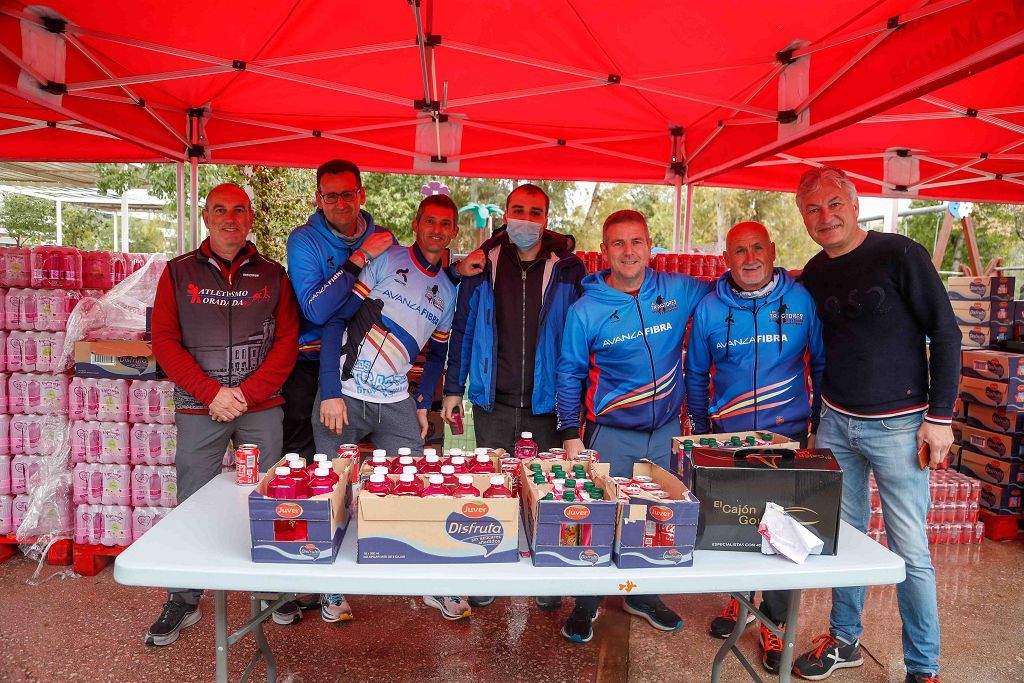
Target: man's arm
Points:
(437, 351)
(278, 364)
(815, 361)
(698, 377)
(334, 332)
(573, 363)
(174, 359)
(461, 340)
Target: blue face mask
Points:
(524, 234)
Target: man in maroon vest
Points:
(225, 330)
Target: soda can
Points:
(975, 494)
(350, 451)
(650, 533)
(557, 453)
(660, 262)
(933, 534)
(960, 512)
(954, 534)
(683, 264)
(649, 486)
(456, 425)
(588, 454)
(963, 490)
(666, 534)
(671, 262)
(631, 490)
(546, 455)
(972, 512)
(659, 494)
(945, 532)
(510, 466)
(247, 465)
(979, 531)
(642, 479)
(569, 534)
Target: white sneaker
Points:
(452, 607)
(334, 607)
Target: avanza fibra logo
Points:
(485, 532)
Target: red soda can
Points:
(684, 264)
(963, 490)
(931, 514)
(954, 534)
(660, 262)
(933, 534)
(876, 499)
(975, 494)
(945, 531)
(671, 262)
(979, 531)
(720, 266)
(510, 466)
(350, 451)
(951, 488)
(650, 533)
(972, 511)
(247, 464)
(933, 490)
(666, 534)
(960, 512)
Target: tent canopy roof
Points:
(740, 93)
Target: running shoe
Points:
(334, 607)
(771, 648)
(579, 627)
(452, 607)
(480, 600)
(829, 655)
(174, 617)
(285, 615)
(921, 678)
(722, 626)
(548, 602)
(657, 613)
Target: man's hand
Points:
(939, 439)
(421, 416)
(334, 414)
(572, 448)
(448, 408)
(812, 440)
(473, 264)
(376, 244)
(228, 404)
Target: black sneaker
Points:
(657, 613)
(308, 602)
(771, 648)
(829, 655)
(176, 616)
(722, 626)
(480, 600)
(579, 627)
(921, 678)
(287, 614)
(548, 602)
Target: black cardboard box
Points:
(733, 487)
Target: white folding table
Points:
(204, 543)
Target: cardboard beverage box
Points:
(116, 359)
(960, 410)
(980, 288)
(638, 516)
(724, 441)
(955, 452)
(734, 486)
(992, 419)
(994, 444)
(994, 470)
(410, 530)
(1008, 395)
(984, 335)
(1001, 499)
(978, 312)
(544, 519)
(997, 365)
(273, 522)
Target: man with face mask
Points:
(507, 331)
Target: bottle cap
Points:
(527, 435)
(481, 451)
(291, 456)
(406, 477)
(321, 472)
(457, 460)
(570, 483)
(319, 457)
(381, 452)
(482, 457)
(377, 478)
(497, 480)
(447, 469)
(296, 465)
(427, 452)
(569, 496)
(282, 471)
(455, 452)
(436, 478)
(381, 470)
(379, 457)
(466, 479)
(405, 459)
(409, 469)
(431, 457)
(404, 451)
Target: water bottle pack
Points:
(106, 443)
(105, 400)
(15, 268)
(154, 444)
(108, 525)
(25, 473)
(34, 434)
(32, 351)
(19, 510)
(37, 394)
(151, 401)
(42, 310)
(53, 266)
(5, 475)
(101, 484)
(6, 514)
(143, 520)
(154, 486)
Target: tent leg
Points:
(124, 222)
(60, 224)
(113, 216)
(677, 214)
(180, 168)
(689, 218)
(193, 198)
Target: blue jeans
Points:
(889, 448)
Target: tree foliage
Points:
(86, 229)
(28, 220)
(998, 229)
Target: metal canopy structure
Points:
(47, 174)
(916, 98)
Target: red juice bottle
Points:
(458, 463)
(430, 464)
(406, 485)
(482, 464)
(281, 486)
(448, 472)
(298, 475)
(321, 482)
(454, 453)
(377, 485)
(465, 488)
(526, 447)
(379, 458)
(497, 489)
(435, 488)
(399, 464)
(319, 460)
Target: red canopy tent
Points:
(742, 93)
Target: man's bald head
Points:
(228, 192)
(750, 255)
(229, 217)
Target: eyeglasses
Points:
(332, 197)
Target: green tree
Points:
(150, 236)
(85, 228)
(282, 200)
(998, 229)
(28, 220)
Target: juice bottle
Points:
(465, 488)
(452, 454)
(458, 464)
(406, 485)
(319, 460)
(377, 485)
(298, 475)
(281, 486)
(322, 482)
(497, 489)
(435, 488)
(526, 447)
(401, 462)
(448, 472)
(379, 458)
(481, 465)
(430, 464)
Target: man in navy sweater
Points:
(893, 351)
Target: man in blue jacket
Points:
(758, 335)
(622, 362)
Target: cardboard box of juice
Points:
(1008, 394)
(550, 524)
(991, 418)
(998, 365)
(990, 469)
(979, 312)
(411, 530)
(116, 359)
(641, 515)
(1001, 499)
(967, 288)
(300, 531)
(984, 335)
(994, 444)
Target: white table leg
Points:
(220, 601)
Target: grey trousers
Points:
(388, 425)
(200, 455)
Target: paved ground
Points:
(91, 629)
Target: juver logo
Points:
(660, 513)
(475, 510)
(288, 510)
(576, 512)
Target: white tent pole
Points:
(677, 206)
(689, 218)
(193, 197)
(60, 224)
(124, 222)
(113, 215)
(180, 197)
